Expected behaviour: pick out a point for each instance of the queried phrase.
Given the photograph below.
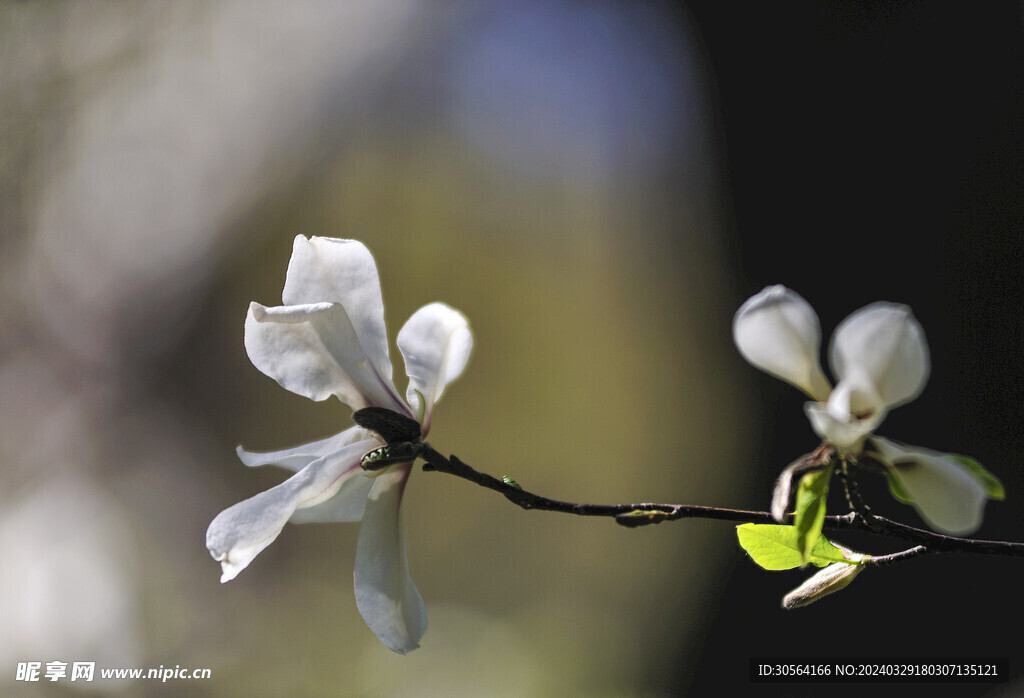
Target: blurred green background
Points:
(597, 186)
(547, 169)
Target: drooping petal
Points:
(778, 332)
(948, 498)
(435, 342)
(312, 350)
(882, 343)
(386, 596)
(297, 458)
(346, 506)
(239, 533)
(329, 270)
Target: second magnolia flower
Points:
(880, 358)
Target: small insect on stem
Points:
(400, 452)
(510, 482)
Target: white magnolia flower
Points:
(329, 339)
(880, 358)
(878, 355)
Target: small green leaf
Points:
(776, 547)
(993, 487)
(810, 509)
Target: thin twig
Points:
(853, 496)
(882, 560)
(629, 515)
(941, 543)
(646, 513)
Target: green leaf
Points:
(993, 488)
(810, 509)
(776, 548)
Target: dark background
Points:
(874, 151)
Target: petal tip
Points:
(228, 569)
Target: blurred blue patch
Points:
(575, 89)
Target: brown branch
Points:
(941, 543)
(629, 515)
(646, 513)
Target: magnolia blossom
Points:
(878, 354)
(328, 338)
(880, 359)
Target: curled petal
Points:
(239, 533)
(778, 332)
(329, 270)
(386, 596)
(803, 465)
(842, 431)
(855, 398)
(295, 459)
(949, 498)
(312, 350)
(883, 344)
(435, 342)
(852, 413)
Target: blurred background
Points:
(597, 186)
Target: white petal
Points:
(295, 459)
(852, 413)
(882, 343)
(778, 332)
(312, 350)
(846, 434)
(947, 497)
(436, 343)
(242, 531)
(385, 594)
(329, 270)
(346, 506)
(855, 397)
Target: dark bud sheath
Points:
(392, 426)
